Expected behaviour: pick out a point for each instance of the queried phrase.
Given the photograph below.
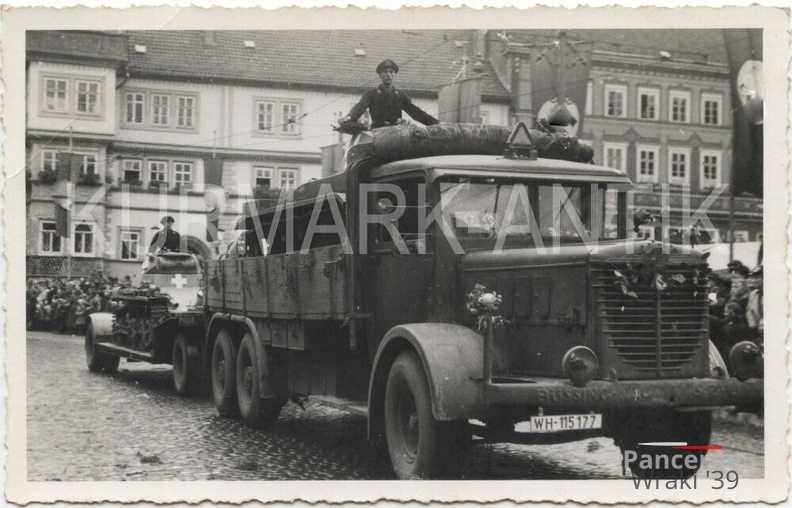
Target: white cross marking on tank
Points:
(178, 281)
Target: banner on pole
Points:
(69, 166)
(61, 220)
(460, 101)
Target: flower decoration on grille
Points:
(623, 284)
(484, 305)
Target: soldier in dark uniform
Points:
(386, 103)
(166, 239)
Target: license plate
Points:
(561, 423)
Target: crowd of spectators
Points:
(63, 305)
(736, 307)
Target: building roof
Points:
(76, 45)
(699, 45)
(300, 58)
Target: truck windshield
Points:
(569, 212)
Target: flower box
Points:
(48, 176)
(89, 180)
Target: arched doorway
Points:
(197, 247)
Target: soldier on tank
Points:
(386, 103)
(167, 239)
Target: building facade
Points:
(657, 107)
(182, 123)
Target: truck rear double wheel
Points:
(224, 357)
(256, 411)
(186, 366)
(96, 360)
(419, 446)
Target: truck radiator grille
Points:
(659, 332)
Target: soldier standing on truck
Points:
(386, 103)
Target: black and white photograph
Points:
(393, 251)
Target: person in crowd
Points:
(754, 312)
(385, 103)
(80, 315)
(167, 239)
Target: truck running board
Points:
(358, 407)
(124, 352)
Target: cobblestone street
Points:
(132, 426)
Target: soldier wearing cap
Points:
(166, 239)
(386, 103)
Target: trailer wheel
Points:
(257, 412)
(186, 366)
(419, 446)
(98, 361)
(224, 375)
(693, 428)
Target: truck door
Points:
(398, 266)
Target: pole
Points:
(561, 65)
(732, 181)
(69, 239)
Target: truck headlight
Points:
(580, 365)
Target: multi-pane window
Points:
(648, 102)
(647, 164)
(88, 163)
(131, 170)
(49, 160)
(289, 113)
(134, 107)
(160, 109)
(88, 97)
(615, 155)
(710, 168)
(615, 103)
(55, 94)
(83, 239)
(158, 171)
(263, 177)
(185, 111)
(679, 106)
(287, 178)
(711, 109)
(678, 166)
(50, 241)
(182, 172)
(130, 244)
(265, 115)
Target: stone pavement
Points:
(132, 426)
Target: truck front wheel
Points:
(257, 412)
(419, 446)
(224, 356)
(186, 366)
(97, 360)
(663, 426)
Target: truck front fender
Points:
(101, 323)
(452, 358)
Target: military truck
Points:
(464, 284)
(160, 319)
